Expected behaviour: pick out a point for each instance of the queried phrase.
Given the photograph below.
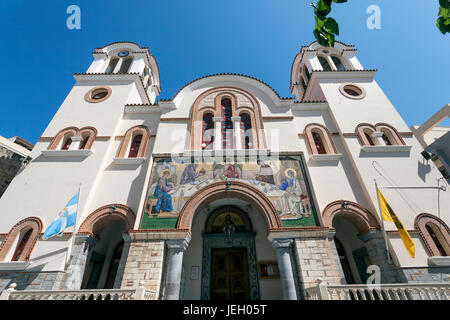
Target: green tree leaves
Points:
(443, 22)
(326, 28)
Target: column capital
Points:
(217, 119)
(370, 235)
(177, 244)
(236, 119)
(83, 238)
(282, 243)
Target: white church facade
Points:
(227, 190)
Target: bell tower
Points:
(316, 58)
(128, 58)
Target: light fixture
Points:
(426, 155)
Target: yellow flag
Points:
(388, 215)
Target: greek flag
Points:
(65, 219)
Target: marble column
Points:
(217, 133)
(282, 247)
(237, 132)
(77, 264)
(176, 250)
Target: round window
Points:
(352, 91)
(98, 94)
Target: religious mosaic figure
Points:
(228, 227)
(292, 199)
(231, 171)
(189, 173)
(162, 193)
(265, 173)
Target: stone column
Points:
(237, 132)
(282, 247)
(176, 250)
(217, 133)
(77, 264)
(376, 248)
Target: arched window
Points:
(324, 62)
(21, 245)
(227, 124)
(338, 63)
(319, 144)
(246, 131)
(435, 239)
(369, 138)
(319, 139)
(84, 141)
(135, 145)
(112, 65)
(308, 75)
(20, 240)
(303, 84)
(66, 142)
(386, 139)
(124, 68)
(365, 132)
(208, 131)
(390, 135)
(435, 234)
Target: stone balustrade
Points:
(139, 293)
(400, 291)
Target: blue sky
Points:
(194, 38)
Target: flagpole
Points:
(72, 240)
(382, 223)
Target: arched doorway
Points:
(351, 223)
(229, 269)
(100, 270)
(106, 225)
(223, 257)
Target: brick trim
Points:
(420, 223)
(146, 133)
(196, 123)
(35, 224)
(237, 189)
(325, 135)
(74, 132)
(120, 210)
(363, 219)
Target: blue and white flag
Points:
(66, 218)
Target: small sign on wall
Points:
(195, 272)
(268, 270)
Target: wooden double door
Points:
(229, 274)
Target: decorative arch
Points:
(33, 223)
(362, 130)
(325, 135)
(197, 111)
(88, 135)
(392, 133)
(74, 132)
(132, 132)
(225, 209)
(98, 219)
(420, 224)
(363, 219)
(238, 190)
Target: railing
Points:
(139, 293)
(401, 291)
